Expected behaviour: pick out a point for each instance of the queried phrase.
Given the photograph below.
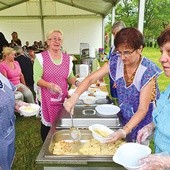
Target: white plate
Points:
(30, 110)
(129, 155)
(99, 131)
(89, 100)
(101, 94)
(107, 109)
(85, 94)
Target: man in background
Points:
(116, 27)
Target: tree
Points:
(157, 16)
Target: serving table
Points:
(84, 116)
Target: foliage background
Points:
(157, 17)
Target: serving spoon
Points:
(74, 131)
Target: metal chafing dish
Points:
(82, 119)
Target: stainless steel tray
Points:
(64, 135)
(86, 116)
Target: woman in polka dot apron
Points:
(52, 72)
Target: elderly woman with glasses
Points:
(136, 81)
(52, 72)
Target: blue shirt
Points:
(161, 119)
(7, 123)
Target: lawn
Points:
(28, 140)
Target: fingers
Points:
(139, 137)
(112, 138)
(67, 105)
(54, 88)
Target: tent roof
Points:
(101, 7)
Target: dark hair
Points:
(30, 48)
(164, 37)
(131, 37)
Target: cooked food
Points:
(65, 148)
(91, 147)
(28, 108)
(101, 133)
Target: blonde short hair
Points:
(53, 31)
(7, 50)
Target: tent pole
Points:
(113, 20)
(42, 20)
(141, 12)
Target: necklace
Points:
(130, 77)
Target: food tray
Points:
(82, 147)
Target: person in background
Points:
(7, 122)
(136, 80)
(31, 53)
(15, 40)
(12, 70)
(26, 46)
(52, 72)
(3, 42)
(161, 116)
(26, 67)
(116, 27)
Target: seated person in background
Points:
(161, 116)
(31, 53)
(26, 46)
(12, 70)
(26, 67)
(136, 80)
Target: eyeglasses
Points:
(55, 39)
(125, 53)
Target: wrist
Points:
(49, 86)
(127, 129)
(122, 131)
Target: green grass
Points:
(154, 55)
(28, 140)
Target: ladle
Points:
(74, 131)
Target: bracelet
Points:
(76, 83)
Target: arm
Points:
(22, 79)
(3, 70)
(38, 72)
(92, 78)
(144, 101)
(72, 79)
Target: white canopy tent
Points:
(82, 21)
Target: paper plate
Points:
(101, 94)
(107, 109)
(129, 154)
(100, 132)
(30, 110)
(85, 94)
